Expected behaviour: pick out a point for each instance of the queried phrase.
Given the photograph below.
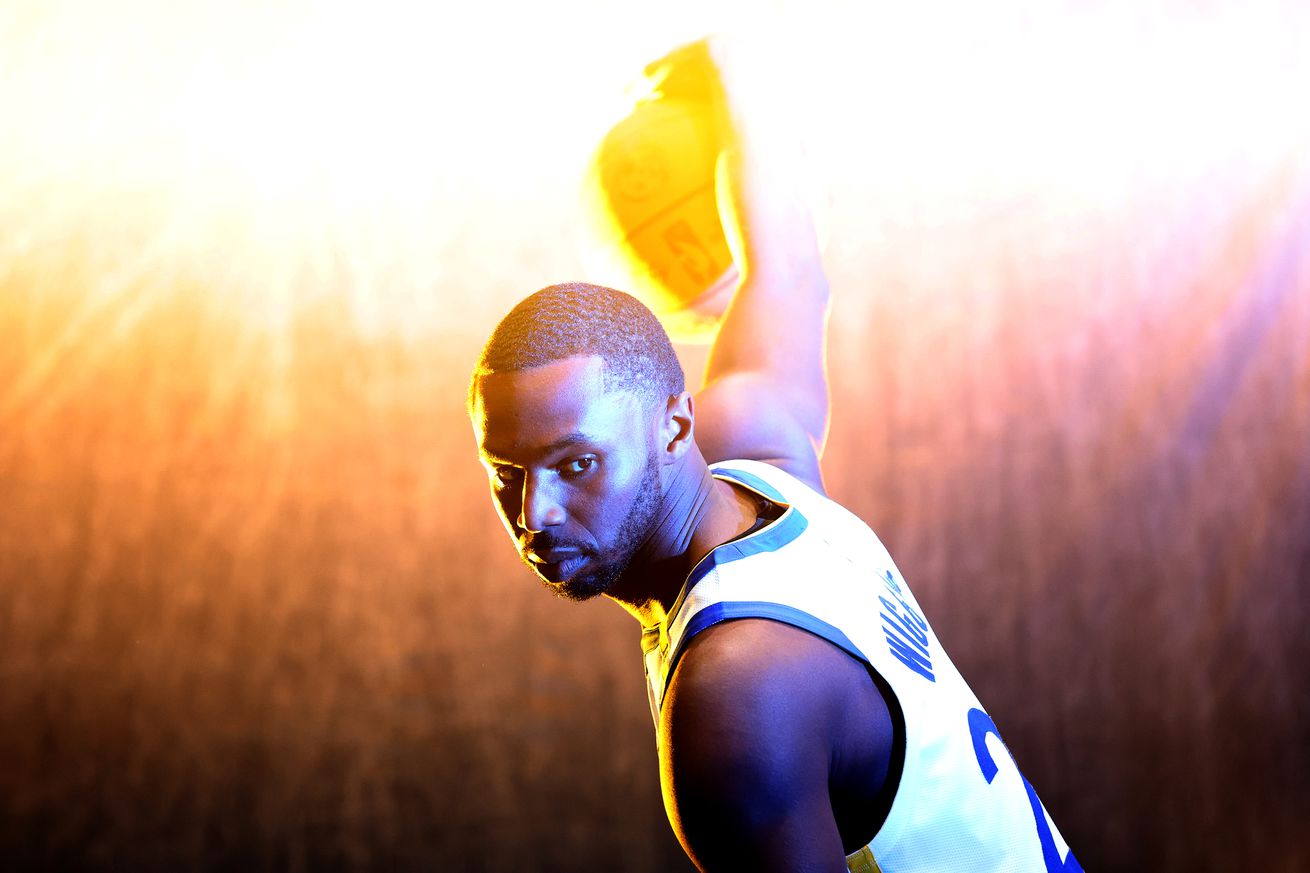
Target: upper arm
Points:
(750, 730)
(749, 416)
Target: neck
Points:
(698, 512)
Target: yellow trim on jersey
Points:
(862, 862)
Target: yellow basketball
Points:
(651, 205)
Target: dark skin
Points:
(775, 746)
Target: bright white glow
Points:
(259, 141)
(1039, 97)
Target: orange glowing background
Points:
(255, 609)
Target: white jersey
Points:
(960, 804)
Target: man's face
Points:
(574, 471)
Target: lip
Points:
(556, 565)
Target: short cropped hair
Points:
(577, 320)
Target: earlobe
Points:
(679, 425)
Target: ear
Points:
(677, 429)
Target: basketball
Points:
(653, 216)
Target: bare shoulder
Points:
(743, 662)
(758, 715)
(780, 678)
(745, 416)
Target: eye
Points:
(575, 467)
(506, 475)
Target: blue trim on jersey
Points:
(750, 480)
(771, 538)
(728, 610)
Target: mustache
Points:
(544, 540)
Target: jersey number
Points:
(980, 725)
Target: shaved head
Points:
(581, 320)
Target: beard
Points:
(608, 564)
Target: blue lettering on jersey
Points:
(980, 725)
(906, 631)
(906, 624)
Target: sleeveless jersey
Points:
(960, 803)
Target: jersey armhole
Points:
(896, 765)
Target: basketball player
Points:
(807, 717)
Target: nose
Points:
(540, 507)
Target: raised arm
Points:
(765, 395)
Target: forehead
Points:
(523, 412)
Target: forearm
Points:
(777, 322)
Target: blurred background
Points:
(256, 611)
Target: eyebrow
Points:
(567, 441)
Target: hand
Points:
(686, 73)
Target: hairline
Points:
(610, 382)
